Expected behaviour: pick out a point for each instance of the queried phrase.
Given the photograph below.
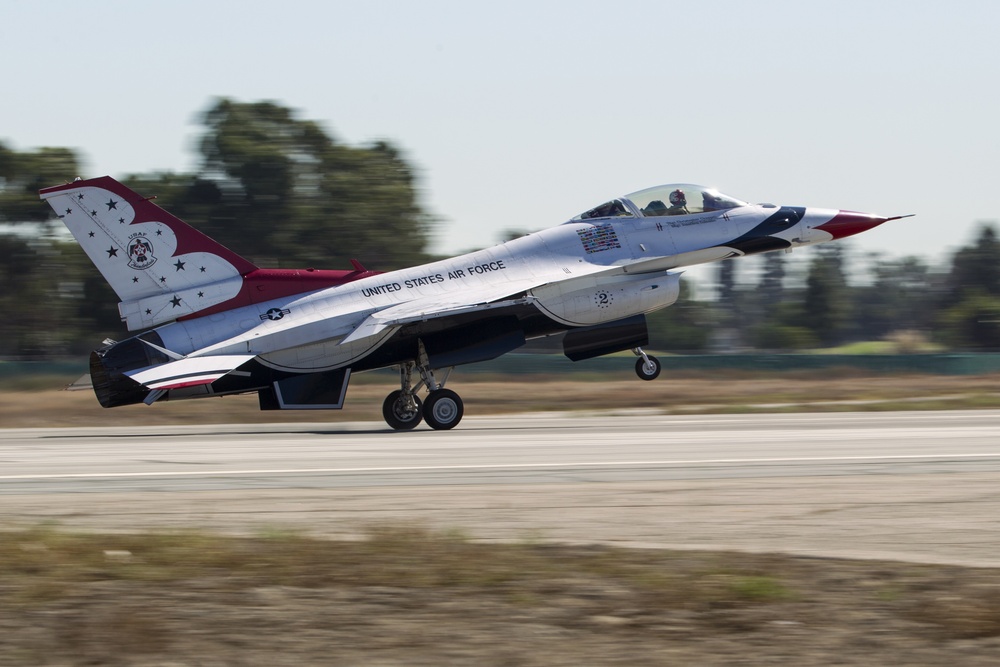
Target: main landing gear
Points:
(403, 409)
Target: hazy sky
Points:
(522, 114)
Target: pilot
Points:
(678, 203)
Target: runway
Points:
(917, 486)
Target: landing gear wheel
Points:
(647, 370)
(399, 413)
(443, 409)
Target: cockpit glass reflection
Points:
(663, 200)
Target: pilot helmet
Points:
(677, 198)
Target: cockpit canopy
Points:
(675, 199)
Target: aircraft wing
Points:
(188, 372)
(443, 305)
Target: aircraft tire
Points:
(443, 409)
(649, 371)
(397, 416)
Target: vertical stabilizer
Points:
(160, 267)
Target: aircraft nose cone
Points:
(849, 223)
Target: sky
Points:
(520, 115)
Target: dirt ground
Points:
(452, 602)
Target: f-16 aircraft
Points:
(216, 324)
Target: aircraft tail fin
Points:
(160, 267)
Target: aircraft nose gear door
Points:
(647, 367)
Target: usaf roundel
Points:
(140, 253)
(275, 314)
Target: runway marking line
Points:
(502, 466)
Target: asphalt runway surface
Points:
(917, 486)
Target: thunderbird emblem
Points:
(140, 253)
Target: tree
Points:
(23, 174)
(973, 322)
(41, 295)
(970, 310)
(976, 268)
(764, 307)
(40, 282)
(277, 188)
(729, 332)
(900, 298)
(825, 307)
(780, 317)
(772, 281)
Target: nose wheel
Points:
(647, 367)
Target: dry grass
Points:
(43, 565)
(89, 593)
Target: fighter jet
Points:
(215, 324)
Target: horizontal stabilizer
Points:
(82, 383)
(188, 372)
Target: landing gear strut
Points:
(402, 409)
(647, 367)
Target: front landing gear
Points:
(647, 367)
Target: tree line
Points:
(282, 192)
